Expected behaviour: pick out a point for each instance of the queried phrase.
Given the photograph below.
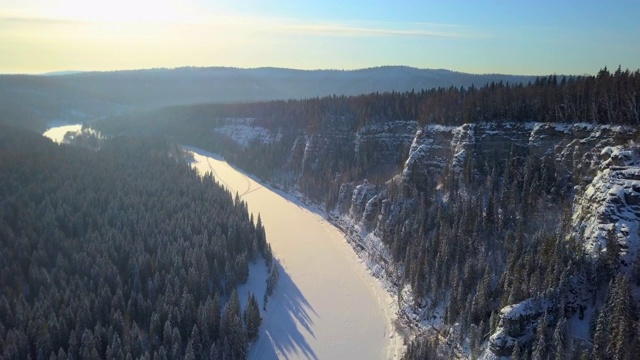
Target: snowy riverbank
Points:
(327, 305)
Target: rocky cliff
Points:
(596, 165)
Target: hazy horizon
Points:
(483, 37)
(72, 71)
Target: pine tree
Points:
(601, 337)
(62, 355)
(176, 343)
(162, 354)
(166, 335)
(493, 321)
(232, 328)
(593, 322)
(74, 346)
(252, 318)
(516, 354)
(87, 345)
(268, 255)
(196, 344)
(621, 318)
(189, 352)
(635, 272)
(213, 317)
(635, 346)
(272, 280)
(612, 256)
(540, 345)
(115, 350)
(261, 239)
(213, 352)
(559, 339)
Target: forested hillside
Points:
(505, 216)
(121, 252)
(339, 122)
(34, 101)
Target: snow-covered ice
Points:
(57, 133)
(326, 304)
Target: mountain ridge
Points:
(35, 100)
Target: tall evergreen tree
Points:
(622, 314)
(559, 341)
(541, 343)
(252, 318)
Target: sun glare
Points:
(120, 11)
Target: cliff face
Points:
(598, 166)
(572, 149)
(606, 206)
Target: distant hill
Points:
(36, 100)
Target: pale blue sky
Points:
(519, 37)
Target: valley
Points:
(486, 221)
(299, 180)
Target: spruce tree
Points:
(189, 353)
(635, 272)
(601, 336)
(232, 328)
(252, 318)
(559, 339)
(516, 354)
(612, 256)
(622, 314)
(115, 349)
(196, 342)
(540, 345)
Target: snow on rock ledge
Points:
(572, 148)
(243, 132)
(609, 208)
(517, 324)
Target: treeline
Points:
(122, 252)
(606, 98)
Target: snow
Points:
(243, 132)
(610, 203)
(57, 133)
(326, 304)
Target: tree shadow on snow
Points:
(289, 316)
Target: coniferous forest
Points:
(121, 252)
(467, 243)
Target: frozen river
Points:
(326, 306)
(57, 133)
